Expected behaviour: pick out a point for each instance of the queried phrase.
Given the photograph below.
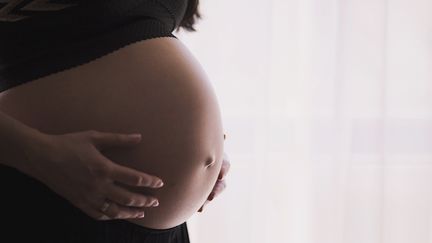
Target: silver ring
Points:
(105, 206)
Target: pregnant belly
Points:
(154, 87)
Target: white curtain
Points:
(327, 107)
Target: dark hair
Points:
(192, 14)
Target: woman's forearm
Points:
(17, 142)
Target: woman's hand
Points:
(220, 183)
(73, 167)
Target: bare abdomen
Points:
(154, 87)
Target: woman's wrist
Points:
(33, 145)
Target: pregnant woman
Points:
(75, 78)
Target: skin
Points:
(220, 183)
(153, 87)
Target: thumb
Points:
(107, 140)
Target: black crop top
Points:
(41, 37)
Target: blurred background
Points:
(327, 107)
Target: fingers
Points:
(220, 183)
(201, 208)
(218, 188)
(133, 177)
(225, 167)
(126, 198)
(116, 211)
(103, 140)
(95, 214)
(128, 175)
(123, 204)
(123, 174)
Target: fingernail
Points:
(141, 215)
(135, 135)
(155, 203)
(159, 184)
(140, 181)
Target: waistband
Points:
(151, 230)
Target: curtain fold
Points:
(327, 107)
